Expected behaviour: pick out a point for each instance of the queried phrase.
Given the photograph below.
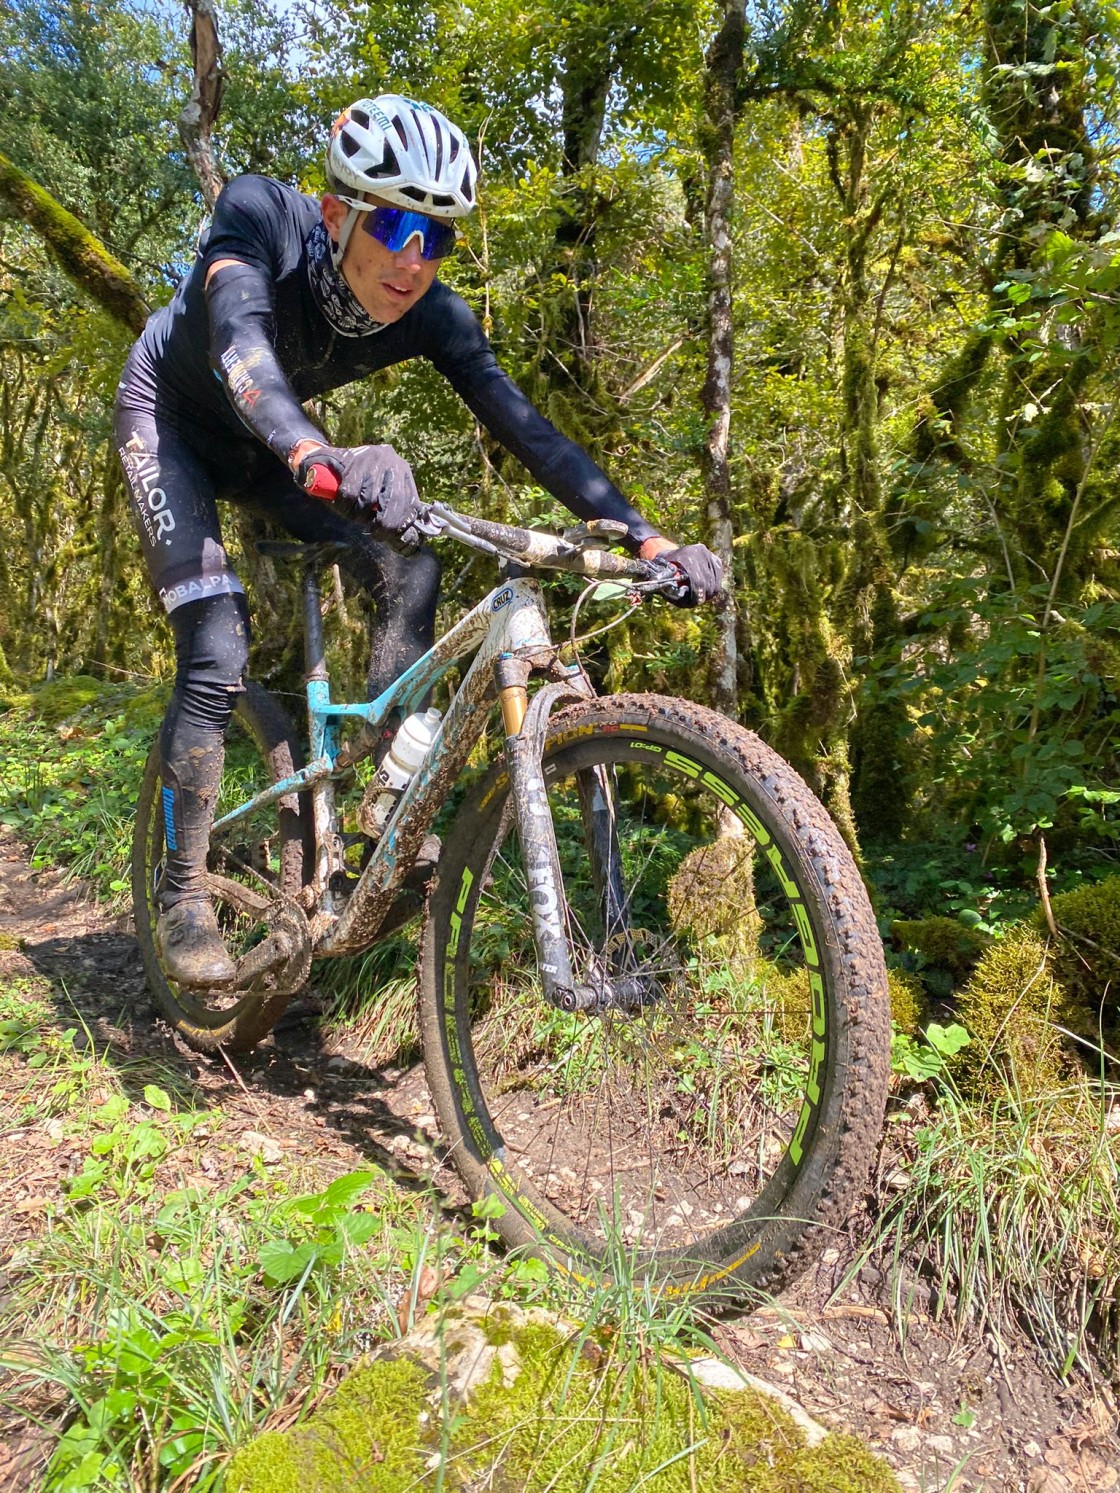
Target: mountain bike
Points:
(652, 994)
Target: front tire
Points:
(269, 853)
(716, 1130)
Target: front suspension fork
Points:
(525, 728)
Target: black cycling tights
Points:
(174, 485)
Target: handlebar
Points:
(579, 551)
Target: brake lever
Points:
(668, 579)
(429, 523)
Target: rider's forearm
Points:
(243, 355)
(558, 464)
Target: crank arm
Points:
(270, 954)
(237, 894)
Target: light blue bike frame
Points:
(509, 623)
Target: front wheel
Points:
(255, 873)
(713, 1116)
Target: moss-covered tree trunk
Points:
(1036, 93)
(725, 57)
(84, 258)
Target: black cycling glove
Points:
(373, 482)
(702, 573)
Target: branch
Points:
(650, 373)
(83, 256)
(199, 115)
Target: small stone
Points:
(943, 1445)
(1031, 1449)
(270, 1151)
(309, 1095)
(814, 1341)
(830, 1257)
(906, 1438)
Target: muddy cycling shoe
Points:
(191, 948)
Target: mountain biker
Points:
(290, 297)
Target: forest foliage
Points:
(919, 493)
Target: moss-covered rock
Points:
(1086, 957)
(942, 943)
(513, 1402)
(908, 1000)
(367, 1436)
(712, 893)
(56, 702)
(1012, 1006)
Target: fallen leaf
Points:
(1046, 1480)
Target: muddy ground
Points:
(833, 1348)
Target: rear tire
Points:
(714, 1134)
(261, 748)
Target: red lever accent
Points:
(321, 482)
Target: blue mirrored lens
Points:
(394, 226)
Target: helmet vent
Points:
(406, 152)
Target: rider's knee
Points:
(212, 639)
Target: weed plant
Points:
(1013, 1211)
(71, 761)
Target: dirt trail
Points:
(327, 1112)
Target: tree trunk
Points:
(724, 60)
(200, 114)
(84, 258)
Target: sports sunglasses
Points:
(395, 226)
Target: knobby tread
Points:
(837, 1164)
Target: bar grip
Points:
(321, 482)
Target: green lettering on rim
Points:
(687, 766)
(796, 1146)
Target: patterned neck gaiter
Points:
(335, 299)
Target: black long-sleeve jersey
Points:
(250, 359)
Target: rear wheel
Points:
(255, 873)
(715, 1117)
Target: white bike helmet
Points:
(407, 153)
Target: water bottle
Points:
(410, 746)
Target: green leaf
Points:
(947, 1040)
(157, 1098)
(282, 1263)
(488, 1207)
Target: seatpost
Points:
(313, 645)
